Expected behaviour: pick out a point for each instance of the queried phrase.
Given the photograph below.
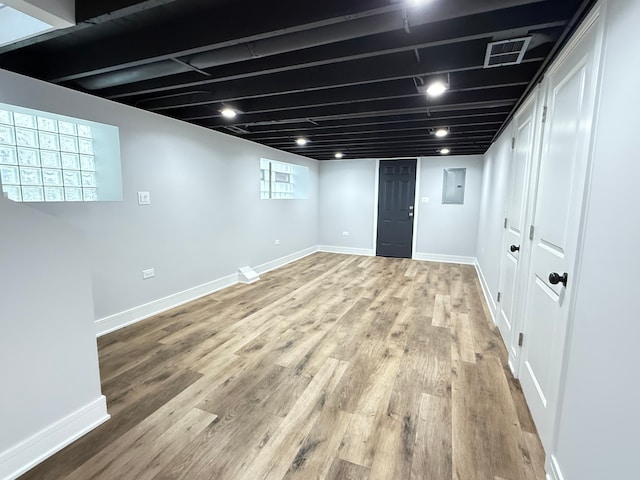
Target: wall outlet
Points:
(345, 234)
(150, 272)
(276, 242)
(144, 198)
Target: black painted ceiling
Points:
(347, 75)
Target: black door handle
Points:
(556, 278)
(514, 248)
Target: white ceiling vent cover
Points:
(506, 52)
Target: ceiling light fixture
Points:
(339, 155)
(442, 132)
(445, 151)
(228, 113)
(437, 88)
(301, 141)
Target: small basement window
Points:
(283, 181)
(46, 157)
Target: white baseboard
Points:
(436, 257)
(30, 452)
(554, 472)
(281, 262)
(119, 320)
(367, 252)
(133, 315)
(128, 317)
(487, 293)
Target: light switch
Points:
(144, 198)
(425, 199)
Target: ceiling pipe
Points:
(348, 29)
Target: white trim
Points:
(133, 315)
(436, 257)
(282, 261)
(416, 203)
(487, 292)
(554, 472)
(596, 19)
(376, 194)
(30, 452)
(367, 252)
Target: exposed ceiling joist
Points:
(98, 12)
(345, 74)
(478, 79)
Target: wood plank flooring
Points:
(333, 367)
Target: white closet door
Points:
(571, 92)
(509, 308)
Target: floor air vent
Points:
(506, 52)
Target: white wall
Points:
(205, 219)
(495, 188)
(48, 353)
(443, 229)
(347, 203)
(600, 419)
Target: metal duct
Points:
(349, 28)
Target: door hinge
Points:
(513, 143)
(531, 232)
(506, 222)
(520, 339)
(544, 114)
(499, 295)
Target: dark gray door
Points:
(395, 208)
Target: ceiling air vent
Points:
(506, 52)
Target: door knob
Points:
(514, 248)
(556, 278)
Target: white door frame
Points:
(530, 182)
(595, 19)
(376, 195)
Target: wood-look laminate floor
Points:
(333, 367)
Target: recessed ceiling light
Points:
(416, 3)
(301, 141)
(442, 132)
(436, 89)
(228, 112)
(445, 151)
(339, 155)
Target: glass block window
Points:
(46, 159)
(280, 180)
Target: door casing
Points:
(593, 24)
(416, 210)
(513, 292)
